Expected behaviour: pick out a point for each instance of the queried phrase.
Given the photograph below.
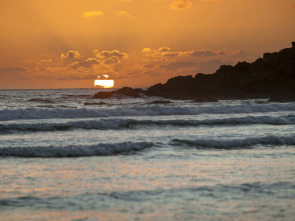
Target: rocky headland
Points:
(272, 76)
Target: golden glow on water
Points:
(138, 182)
(104, 83)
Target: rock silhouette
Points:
(272, 76)
(120, 93)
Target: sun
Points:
(104, 82)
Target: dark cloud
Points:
(164, 49)
(196, 53)
(112, 60)
(70, 55)
(161, 52)
(221, 53)
(167, 52)
(14, 70)
(177, 65)
(171, 54)
(108, 54)
(88, 63)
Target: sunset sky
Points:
(68, 43)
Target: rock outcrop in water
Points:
(272, 76)
(125, 91)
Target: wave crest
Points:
(234, 144)
(117, 123)
(74, 151)
(156, 110)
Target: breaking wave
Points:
(74, 151)
(117, 123)
(63, 113)
(235, 144)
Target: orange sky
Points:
(68, 43)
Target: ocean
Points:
(147, 158)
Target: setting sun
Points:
(104, 83)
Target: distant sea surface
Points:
(144, 159)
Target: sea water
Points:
(144, 159)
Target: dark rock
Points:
(260, 79)
(103, 95)
(156, 90)
(129, 92)
(242, 66)
(175, 88)
(282, 97)
(123, 92)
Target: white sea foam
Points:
(118, 123)
(43, 113)
(236, 143)
(74, 151)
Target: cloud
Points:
(150, 65)
(41, 68)
(196, 53)
(112, 60)
(92, 14)
(11, 70)
(164, 49)
(161, 52)
(171, 54)
(167, 52)
(223, 52)
(146, 50)
(125, 14)
(177, 65)
(77, 76)
(88, 63)
(70, 55)
(108, 54)
(181, 4)
(240, 53)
